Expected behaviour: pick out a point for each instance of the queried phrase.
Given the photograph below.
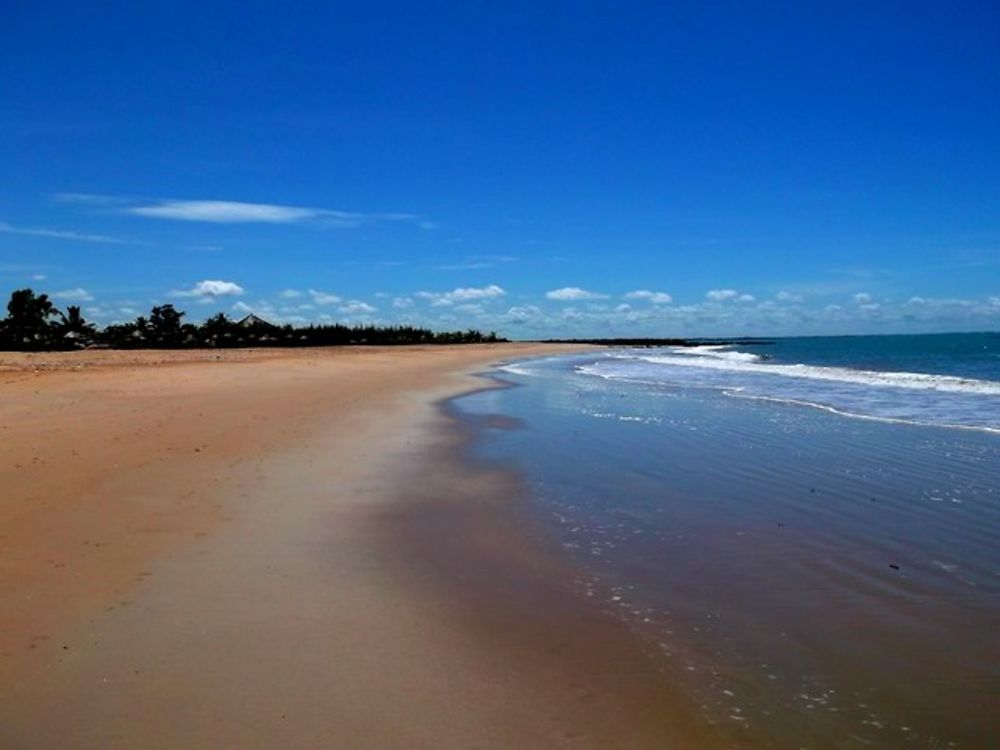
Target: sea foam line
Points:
(855, 415)
(736, 392)
(910, 380)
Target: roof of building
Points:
(254, 321)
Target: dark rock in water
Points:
(894, 566)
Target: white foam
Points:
(516, 369)
(716, 351)
(911, 380)
(900, 397)
(857, 415)
(528, 365)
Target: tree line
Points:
(34, 323)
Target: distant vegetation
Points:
(33, 323)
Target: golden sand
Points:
(280, 549)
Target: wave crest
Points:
(733, 361)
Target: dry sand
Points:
(283, 549)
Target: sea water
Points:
(944, 379)
(805, 533)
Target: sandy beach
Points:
(286, 549)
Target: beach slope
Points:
(284, 549)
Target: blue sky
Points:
(542, 169)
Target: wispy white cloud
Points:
(62, 234)
(523, 313)
(573, 293)
(476, 262)
(464, 266)
(940, 302)
(721, 295)
(356, 307)
(233, 212)
(657, 298)
(324, 298)
(485, 292)
(210, 288)
(725, 295)
(290, 294)
(462, 294)
(784, 296)
(74, 295)
(89, 199)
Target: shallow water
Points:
(813, 580)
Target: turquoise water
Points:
(811, 578)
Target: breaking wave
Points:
(919, 398)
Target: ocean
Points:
(944, 379)
(803, 532)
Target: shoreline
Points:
(471, 542)
(248, 583)
(804, 578)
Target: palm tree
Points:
(165, 325)
(73, 328)
(217, 330)
(29, 319)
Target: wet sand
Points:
(286, 549)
